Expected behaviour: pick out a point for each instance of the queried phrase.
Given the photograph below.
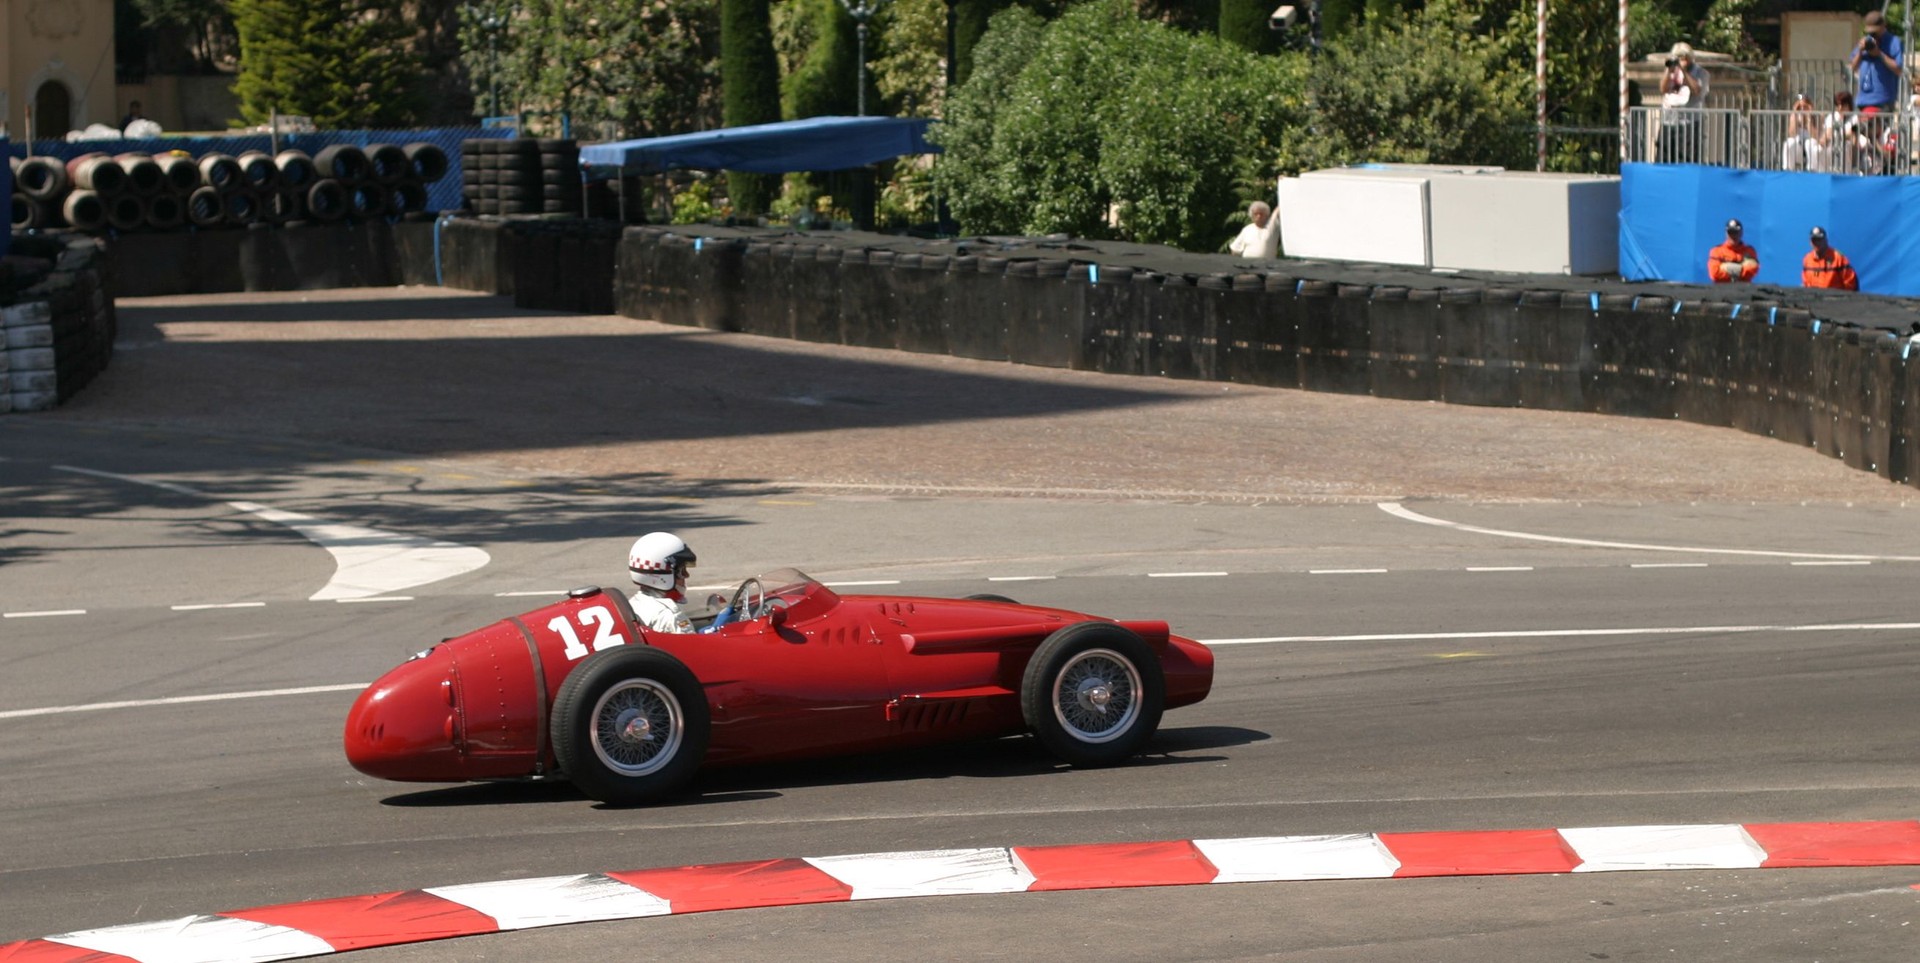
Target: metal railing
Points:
(1776, 140)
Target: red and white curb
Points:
(320, 927)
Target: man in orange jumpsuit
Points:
(1733, 260)
(1824, 267)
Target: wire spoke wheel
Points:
(1097, 695)
(637, 726)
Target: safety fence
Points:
(1793, 140)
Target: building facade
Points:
(56, 67)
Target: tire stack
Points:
(96, 193)
(27, 379)
(521, 176)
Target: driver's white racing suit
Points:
(660, 614)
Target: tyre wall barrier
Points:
(304, 256)
(1759, 365)
(58, 332)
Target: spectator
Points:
(133, 113)
(1825, 267)
(1682, 86)
(1846, 147)
(1261, 236)
(1732, 259)
(1802, 150)
(1876, 63)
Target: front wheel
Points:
(630, 725)
(1093, 694)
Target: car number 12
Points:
(600, 619)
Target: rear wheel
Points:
(1093, 694)
(630, 725)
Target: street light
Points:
(861, 13)
(492, 22)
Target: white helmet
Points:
(657, 558)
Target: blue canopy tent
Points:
(814, 144)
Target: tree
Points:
(750, 80)
(343, 64)
(818, 52)
(1244, 22)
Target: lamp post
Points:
(861, 13)
(492, 22)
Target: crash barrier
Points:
(521, 176)
(57, 322)
(1761, 364)
(377, 176)
(98, 193)
(298, 257)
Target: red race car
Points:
(579, 689)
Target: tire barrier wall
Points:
(58, 333)
(296, 257)
(521, 176)
(98, 192)
(1759, 366)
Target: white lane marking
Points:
(218, 605)
(1576, 633)
(884, 581)
(1345, 571)
(367, 561)
(1857, 561)
(1021, 578)
(1500, 568)
(1401, 511)
(1186, 574)
(42, 615)
(1672, 565)
(180, 700)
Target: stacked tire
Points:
(97, 193)
(27, 378)
(521, 176)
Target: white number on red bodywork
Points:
(597, 618)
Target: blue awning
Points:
(814, 144)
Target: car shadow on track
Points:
(1015, 756)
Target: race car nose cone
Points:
(406, 725)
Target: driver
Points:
(658, 563)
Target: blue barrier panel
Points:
(1671, 215)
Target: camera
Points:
(1869, 44)
(1672, 63)
(1283, 18)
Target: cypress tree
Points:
(343, 64)
(750, 89)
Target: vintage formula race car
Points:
(578, 689)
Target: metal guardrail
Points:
(1776, 140)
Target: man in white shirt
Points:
(1261, 237)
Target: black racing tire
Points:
(630, 725)
(990, 597)
(1093, 694)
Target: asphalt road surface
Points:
(1697, 627)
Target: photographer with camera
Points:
(1876, 63)
(1802, 150)
(1682, 86)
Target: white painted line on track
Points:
(1021, 578)
(180, 700)
(367, 561)
(1499, 568)
(1577, 633)
(1401, 511)
(217, 605)
(883, 581)
(1668, 565)
(1858, 561)
(42, 615)
(1186, 574)
(1346, 571)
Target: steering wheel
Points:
(749, 601)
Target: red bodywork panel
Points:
(835, 675)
